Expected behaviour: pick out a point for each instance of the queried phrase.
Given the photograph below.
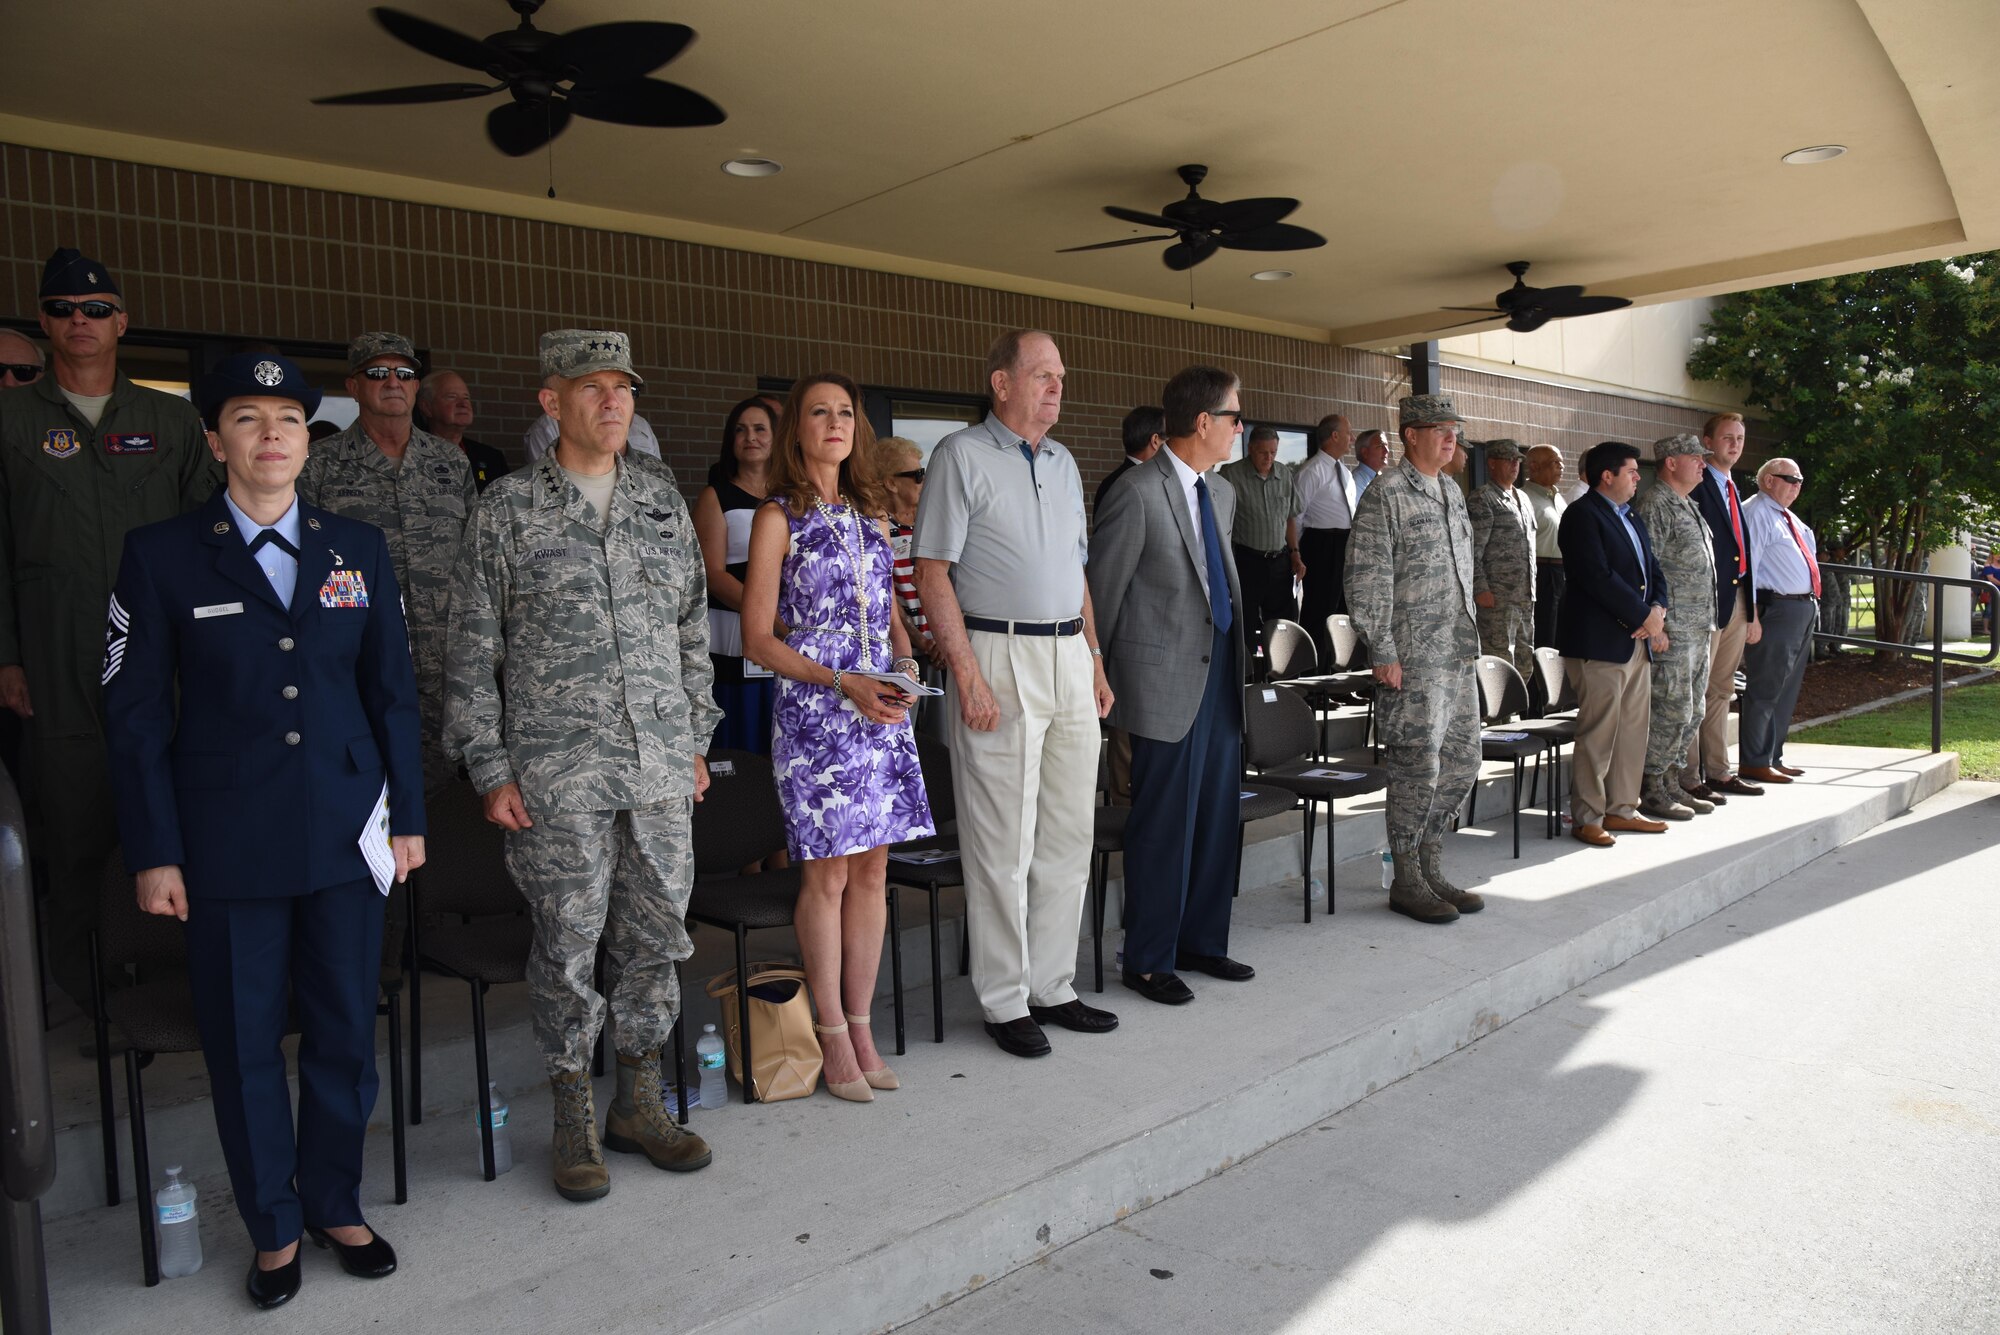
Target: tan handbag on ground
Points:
(782, 1044)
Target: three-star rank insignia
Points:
(60, 443)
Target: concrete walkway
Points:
(1786, 1118)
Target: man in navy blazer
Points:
(1611, 619)
(1736, 623)
(1167, 595)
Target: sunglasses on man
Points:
(914, 474)
(23, 372)
(384, 372)
(1792, 478)
(95, 310)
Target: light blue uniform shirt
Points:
(279, 566)
(1638, 548)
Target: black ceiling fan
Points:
(1529, 308)
(598, 73)
(1199, 227)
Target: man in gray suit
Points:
(1165, 588)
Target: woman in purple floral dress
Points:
(841, 746)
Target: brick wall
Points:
(196, 253)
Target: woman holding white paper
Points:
(841, 746)
(261, 710)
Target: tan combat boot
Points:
(640, 1122)
(1411, 896)
(580, 1171)
(1430, 862)
(1677, 790)
(1658, 802)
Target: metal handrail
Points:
(27, 1109)
(1939, 655)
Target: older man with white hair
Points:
(1784, 556)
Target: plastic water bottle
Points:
(503, 1139)
(711, 1058)
(1388, 869)
(180, 1227)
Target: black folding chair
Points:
(931, 876)
(737, 823)
(1280, 736)
(1294, 664)
(1107, 836)
(1503, 702)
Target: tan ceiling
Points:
(1631, 145)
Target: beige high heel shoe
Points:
(854, 1091)
(882, 1079)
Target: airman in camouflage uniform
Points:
(1409, 590)
(578, 693)
(1686, 553)
(1503, 561)
(418, 489)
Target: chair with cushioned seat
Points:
(1280, 737)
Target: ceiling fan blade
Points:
(1186, 254)
(519, 128)
(1589, 306)
(652, 102)
(1273, 236)
(436, 40)
(1490, 315)
(1243, 215)
(1106, 245)
(423, 92)
(1527, 322)
(607, 53)
(1488, 310)
(1143, 219)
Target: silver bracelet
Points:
(837, 674)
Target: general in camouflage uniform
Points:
(71, 487)
(1409, 590)
(1503, 561)
(419, 499)
(1686, 552)
(578, 693)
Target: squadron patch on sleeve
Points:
(117, 626)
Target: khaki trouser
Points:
(1024, 795)
(1614, 712)
(1708, 758)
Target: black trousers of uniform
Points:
(1324, 550)
(1180, 845)
(1548, 596)
(1267, 593)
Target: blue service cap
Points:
(253, 375)
(71, 273)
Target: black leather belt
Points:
(1268, 556)
(1548, 560)
(1785, 597)
(1074, 626)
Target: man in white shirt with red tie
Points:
(1784, 557)
(1326, 494)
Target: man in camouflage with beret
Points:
(386, 471)
(1503, 560)
(1685, 549)
(578, 693)
(1409, 590)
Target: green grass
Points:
(1971, 728)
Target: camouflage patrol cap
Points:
(380, 343)
(570, 353)
(1504, 449)
(1686, 442)
(1426, 410)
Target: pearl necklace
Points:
(854, 554)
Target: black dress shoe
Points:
(1073, 1014)
(373, 1259)
(1164, 988)
(273, 1288)
(1216, 966)
(1022, 1037)
(1736, 786)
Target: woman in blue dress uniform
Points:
(259, 702)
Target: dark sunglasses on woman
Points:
(914, 474)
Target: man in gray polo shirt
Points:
(1000, 549)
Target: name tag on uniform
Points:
(217, 610)
(138, 442)
(344, 588)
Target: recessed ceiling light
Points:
(1800, 157)
(752, 167)
(1272, 275)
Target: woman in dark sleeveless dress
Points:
(737, 485)
(844, 757)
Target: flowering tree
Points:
(1885, 386)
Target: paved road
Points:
(1785, 1119)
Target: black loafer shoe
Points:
(1216, 966)
(1073, 1014)
(373, 1259)
(1022, 1037)
(1164, 988)
(273, 1288)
